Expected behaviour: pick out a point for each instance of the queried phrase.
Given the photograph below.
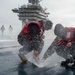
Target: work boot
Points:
(22, 59)
(73, 66)
(67, 62)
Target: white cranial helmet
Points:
(60, 31)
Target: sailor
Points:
(2, 29)
(63, 45)
(31, 38)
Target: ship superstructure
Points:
(31, 12)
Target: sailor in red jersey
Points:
(63, 44)
(31, 38)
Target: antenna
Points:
(36, 2)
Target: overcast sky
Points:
(61, 11)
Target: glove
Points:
(69, 44)
(43, 60)
(36, 53)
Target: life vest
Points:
(26, 32)
(69, 37)
(70, 34)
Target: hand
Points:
(43, 36)
(43, 60)
(69, 44)
(36, 53)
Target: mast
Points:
(36, 2)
